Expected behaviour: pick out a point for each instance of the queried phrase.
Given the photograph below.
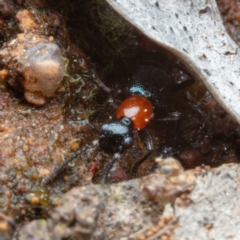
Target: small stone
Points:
(198, 169)
(140, 237)
(34, 98)
(168, 218)
(164, 237)
(184, 196)
(3, 74)
(25, 148)
(2, 128)
(207, 168)
(35, 66)
(30, 141)
(154, 229)
(34, 200)
(15, 161)
(149, 233)
(74, 145)
(190, 157)
(51, 38)
(208, 226)
(229, 235)
(44, 172)
(161, 224)
(34, 176)
(3, 226)
(162, 185)
(26, 21)
(23, 212)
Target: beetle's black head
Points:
(116, 136)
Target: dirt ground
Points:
(41, 124)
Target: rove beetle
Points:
(147, 91)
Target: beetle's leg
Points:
(147, 139)
(172, 116)
(176, 128)
(116, 156)
(60, 168)
(178, 118)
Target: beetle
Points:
(146, 93)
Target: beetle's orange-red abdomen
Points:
(138, 108)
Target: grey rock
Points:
(193, 31)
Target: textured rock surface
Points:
(214, 212)
(210, 211)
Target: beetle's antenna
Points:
(60, 168)
(116, 156)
